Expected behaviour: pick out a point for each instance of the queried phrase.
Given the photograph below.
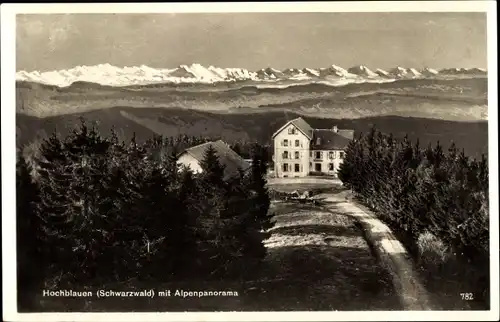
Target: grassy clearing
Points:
(316, 261)
(327, 254)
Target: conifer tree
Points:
(214, 224)
(258, 186)
(54, 182)
(349, 171)
(88, 203)
(28, 234)
(188, 259)
(254, 197)
(171, 217)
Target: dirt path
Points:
(391, 252)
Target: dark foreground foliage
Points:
(93, 210)
(435, 201)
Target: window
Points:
(285, 167)
(291, 130)
(331, 155)
(285, 155)
(341, 155)
(310, 154)
(318, 154)
(297, 167)
(317, 167)
(285, 142)
(297, 143)
(318, 141)
(330, 166)
(297, 155)
(310, 164)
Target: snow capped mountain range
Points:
(106, 74)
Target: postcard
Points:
(250, 161)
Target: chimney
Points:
(335, 129)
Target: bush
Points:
(432, 249)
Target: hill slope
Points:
(472, 136)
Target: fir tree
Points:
(88, 203)
(28, 234)
(258, 187)
(187, 258)
(256, 202)
(214, 222)
(54, 180)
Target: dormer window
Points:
(318, 141)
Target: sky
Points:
(252, 40)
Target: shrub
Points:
(432, 249)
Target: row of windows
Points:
(288, 167)
(287, 155)
(292, 131)
(285, 143)
(317, 155)
(331, 155)
(298, 167)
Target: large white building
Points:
(300, 150)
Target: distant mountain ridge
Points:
(109, 75)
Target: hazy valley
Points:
(456, 99)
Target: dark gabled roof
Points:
(227, 157)
(331, 140)
(300, 124)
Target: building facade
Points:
(300, 150)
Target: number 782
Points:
(467, 296)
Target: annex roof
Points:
(227, 157)
(331, 140)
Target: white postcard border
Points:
(8, 12)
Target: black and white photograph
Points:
(244, 161)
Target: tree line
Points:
(94, 210)
(421, 190)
